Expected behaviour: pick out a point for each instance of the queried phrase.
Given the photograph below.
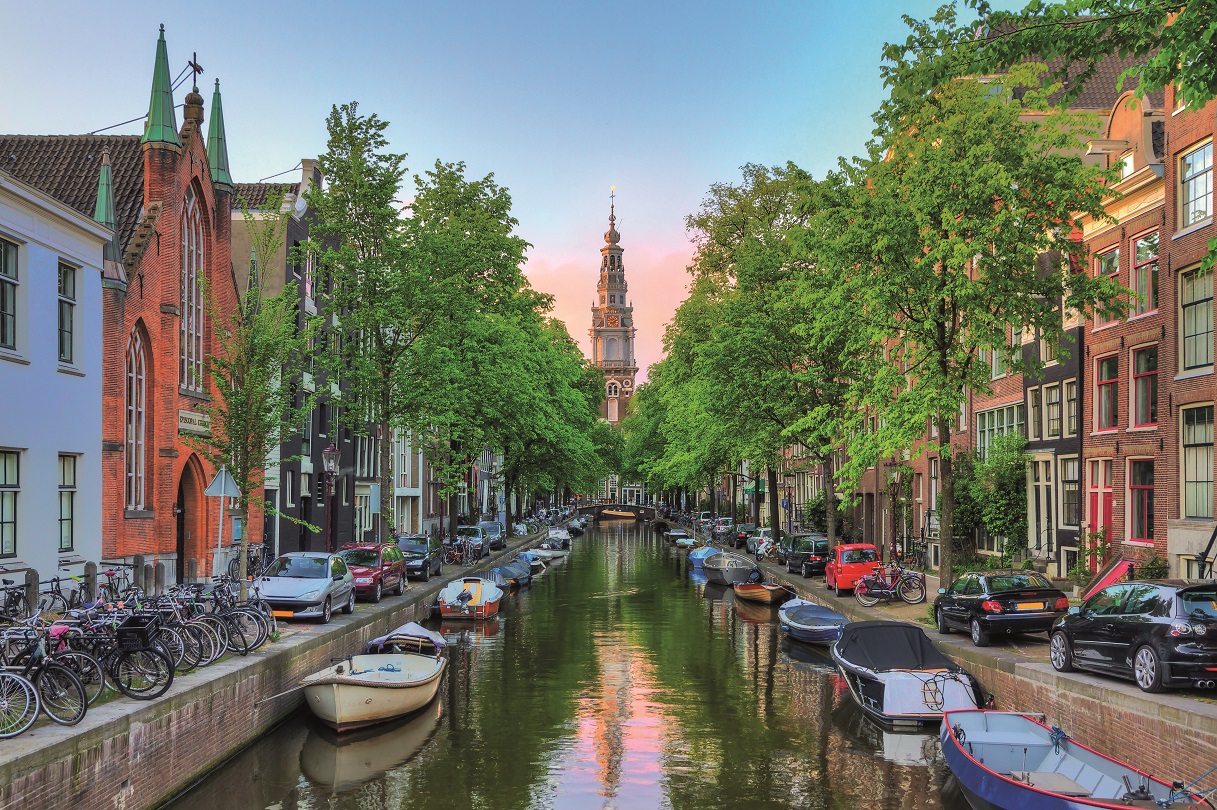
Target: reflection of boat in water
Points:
(486, 629)
(802, 654)
(918, 748)
(715, 591)
(697, 576)
(344, 762)
(755, 612)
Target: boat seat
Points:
(1050, 781)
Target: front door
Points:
(1041, 507)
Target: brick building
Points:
(172, 203)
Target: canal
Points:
(617, 680)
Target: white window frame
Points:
(1200, 300)
(1060, 406)
(1035, 414)
(1070, 412)
(1081, 490)
(1185, 220)
(67, 501)
(12, 282)
(66, 308)
(10, 497)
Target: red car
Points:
(848, 563)
(377, 567)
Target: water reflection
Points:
(616, 680)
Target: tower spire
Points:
(103, 212)
(611, 236)
(161, 126)
(217, 143)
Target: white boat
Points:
(547, 552)
(361, 690)
(469, 598)
(728, 569)
(558, 536)
(535, 563)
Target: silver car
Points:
(308, 585)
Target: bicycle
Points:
(117, 584)
(61, 693)
(15, 607)
(889, 584)
(55, 601)
(255, 562)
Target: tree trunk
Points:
(756, 501)
(386, 478)
(830, 500)
(734, 501)
(243, 547)
(775, 516)
(946, 520)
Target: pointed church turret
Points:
(217, 143)
(161, 126)
(613, 329)
(103, 213)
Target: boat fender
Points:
(959, 734)
(755, 576)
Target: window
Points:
(1126, 165)
(190, 349)
(1196, 185)
(1196, 300)
(612, 299)
(1107, 387)
(613, 390)
(1145, 273)
(1071, 408)
(10, 483)
(67, 502)
(1100, 495)
(289, 488)
(308, 276)
(1052, 407)
(1145, 386)
(306, 435)
(8, 295)
(135, 422)
(989, 424)
(1071, 492)
(1037, 414)
(67, 309)
(1141, 500)
(1198, 462)
(1107, 264)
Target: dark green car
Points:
(806, 553)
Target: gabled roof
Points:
(67, 167)
(255, 194)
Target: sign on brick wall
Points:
(194, 422)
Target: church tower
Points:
(612, 329)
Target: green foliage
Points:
(1028, 564)
(1003, 477)
(1150, 566)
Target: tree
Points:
(961, 196)
(261, 348)
(1002, 479)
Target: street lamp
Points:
(788, 502)
(895, 493)
(331, 460)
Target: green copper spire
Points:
(217, 144)
(104, 211)
(162, 120)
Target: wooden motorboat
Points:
(383, 684)
(698, 555)
(767, 592)
(547, 552)
(1011, 761)
(899, 677)
(810, 622)
(469, 598)
(343, 762)
(728, 569)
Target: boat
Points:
(548, 552)
(681, 539)
(767, 592)
(1007, 760)
(343, 762)
(814, 623)
(676, 534)
(398, 674)
(535, 564)
(469, 598)
(698, 555)
(899, 677)
(727, 569)
(516, 573)
(558, 536)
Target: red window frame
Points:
(1141, 500)
(1149, 266)
(1113, 272)
(1101, 498)
(1145, 387)
(1107, 389)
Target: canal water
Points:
(618, 680)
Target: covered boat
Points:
(728, 569)
(899, 677)
(514, 574)
(398, 675)
(698, 555)
(548, 551)
(807, 621)
(469, 598)
(767, 592)
(558, 536)
(1010, 761)
(536, 565)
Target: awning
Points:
(751, 488)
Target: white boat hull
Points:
(367, 689)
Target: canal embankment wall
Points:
(128, 755)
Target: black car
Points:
(424, 555)
(496, 535)
(985, 603)
(740, 537)
(806, 553)
(1158, 633)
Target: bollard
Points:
(90, 583)
(31, 590)
(137, 572)
(192, 570)
(160, 578)
(149, 579)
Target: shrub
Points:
(1028, 564)
(1150, 566)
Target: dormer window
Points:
(1127, 169)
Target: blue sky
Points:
(561, 100)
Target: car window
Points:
(469, 531)
(1199, 604)
(1146, 600)
(367, 557)
(971, 586)
(860, 555)
(414, 548)
(300, 567)
(1108, 601)
(1014, 582)
(959, 585)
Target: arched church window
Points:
(134, 437)
(612, 350)
(613, 390)
(190, 349)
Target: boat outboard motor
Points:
(464, 598)
(1141, 794)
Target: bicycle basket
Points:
(136, 631)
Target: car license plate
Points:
(283, 614)
(1030, 605)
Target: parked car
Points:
(986, 603)
(377, 567)
(756, 538)
(496, 534)
(742, 531)
(849, 561)
(705, 520)
(424, 555)
(476, 537)
(1158, 633)
(307, 585)
(806, 553)
(724, 529)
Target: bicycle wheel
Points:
(238, 642)
(52, 604)
(253, 627)
(142, 674)
(863, 596)
(62, 694)
(203, 641)
(219, 629)
(87, 668)
(911, 590)
(170, 643)
(19, 704)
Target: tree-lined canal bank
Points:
(616, 680)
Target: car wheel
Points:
(1148, 669)
(941, 620)
(1059, 653)
(805, 570)
(837, 591)
(427, 572)
(349, 607)
(789, 570)
(378, 593)
(401, 585)
(979, 636)
(326, 611)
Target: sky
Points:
(559, 100)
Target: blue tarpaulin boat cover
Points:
(406, 631)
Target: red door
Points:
(1100, 499)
